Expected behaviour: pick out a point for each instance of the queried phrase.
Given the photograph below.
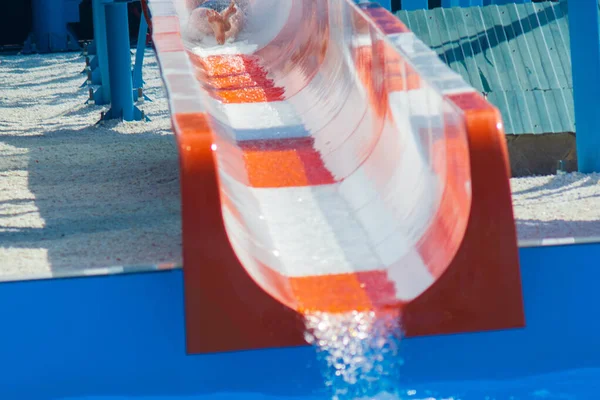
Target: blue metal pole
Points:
(119, 62)
(99, 18)
(139, 54)
(410, 5)
(387, 4)
(504, 2)
(585, 60)
(450, 3)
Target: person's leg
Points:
(214, 17)
(197, 27)
(218, 24)
(235, 17)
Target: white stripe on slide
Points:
(418, 115)
(159, 8)
(310, 230)
(245, 247)
(361, 40)
(411, 277)
(174, 62)
(257, 116)
(401, 201)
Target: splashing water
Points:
(360, 351)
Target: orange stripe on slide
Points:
(273, 163)
(237, 79)
(358, 291)
(284, 163)
(230, 82)
(336, 293)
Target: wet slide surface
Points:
(333, 142)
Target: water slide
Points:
(328, 143)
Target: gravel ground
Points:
(557, 206)
(75, 195)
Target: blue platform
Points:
(50, 31)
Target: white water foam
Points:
(360, 353)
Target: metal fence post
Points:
(585, 61)
(119, 61)
(409, 5)
(102, 95)
(139, 54)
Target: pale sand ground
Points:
(75, 196)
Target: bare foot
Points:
(235, 18)
(226, 24)
(218, 24)
(230, 11)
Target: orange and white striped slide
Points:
(334, 151)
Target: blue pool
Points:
(122, 337)
(565, 385)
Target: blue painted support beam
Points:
(139, 54)
(585, 60)
(138, 81)
(450, 3)
(479, 3)
(119, 63)
(387, 4)
(100, 74)
(93, 62)
(97, 80)
(471, 3)
(504, 2)
(90, 49)
(410, 5)
(465, 3)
